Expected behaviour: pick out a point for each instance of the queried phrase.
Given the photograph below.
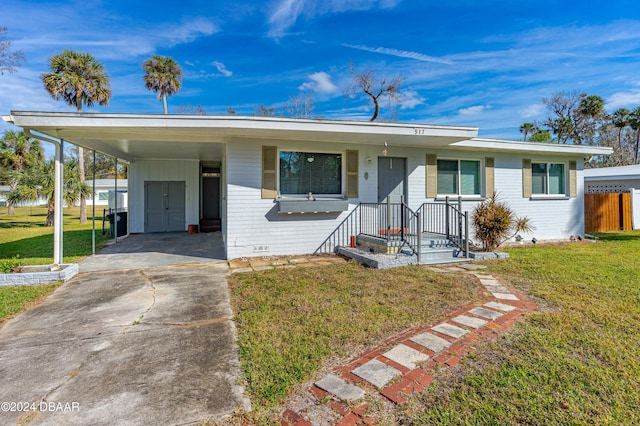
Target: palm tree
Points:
(528, 129)
(589, 115)
(163, 75)
(620, 120)
(591, 106)
(634, 123)
(39, 182)
(79, 79)
(18, 152)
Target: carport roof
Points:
(135, 136)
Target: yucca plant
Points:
(494, 223)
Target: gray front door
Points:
(164, 206)
(392, 174)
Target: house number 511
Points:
(418, 131)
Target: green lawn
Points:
(26, 236)
(574, 361)
(291, 321)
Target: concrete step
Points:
(433, 243)
(427, 253)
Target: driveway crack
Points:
(153, 302)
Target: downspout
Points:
(58, 195)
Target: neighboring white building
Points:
(105, 191)
(616, 179)
(253, 174)
(612, 179)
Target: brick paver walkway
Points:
(403, 365)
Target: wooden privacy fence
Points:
(607, 212)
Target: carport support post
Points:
(58, 203)
(115, 203)
(93, 207)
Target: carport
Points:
(131, 138)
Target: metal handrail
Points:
(392, 222)
(447, 219)
(342, 234)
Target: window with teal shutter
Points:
(538, 178)
(459, 177)
(548, 178)
(556, 179)
(469, 177)
(447, 176)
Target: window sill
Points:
(549, 197)
(454, 198)
(319, 205)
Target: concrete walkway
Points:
(404, 364)
(126, 347)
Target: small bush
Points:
(494, 222)
(13, 264)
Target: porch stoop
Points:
(379, 253)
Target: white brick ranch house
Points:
(252, 176)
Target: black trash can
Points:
(121, 223)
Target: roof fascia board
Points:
(534, 148)
(58, 119)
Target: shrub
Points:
(11, 265)
(494, 222)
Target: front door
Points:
(392, 174)
(164, 206)
(392, 187)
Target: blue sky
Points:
(473, 63)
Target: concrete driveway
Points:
(128, 347)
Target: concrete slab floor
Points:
(157, 249)
(146, 346)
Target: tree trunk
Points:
(50, 213)
(83, 201)
(164, 103)
(376, 109)
(12, 187)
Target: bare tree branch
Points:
(368, 83)
(9, 61)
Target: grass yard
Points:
(292, 321)
(574, 361)
(16, 299)
(26, 236)
(577, 361)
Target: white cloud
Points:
(283, 16)
(320, 83)
(532, 111)
(410, 99)
(474, 110)
(399, 53)
(284, 13)
(623, 99)
(222, 69)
